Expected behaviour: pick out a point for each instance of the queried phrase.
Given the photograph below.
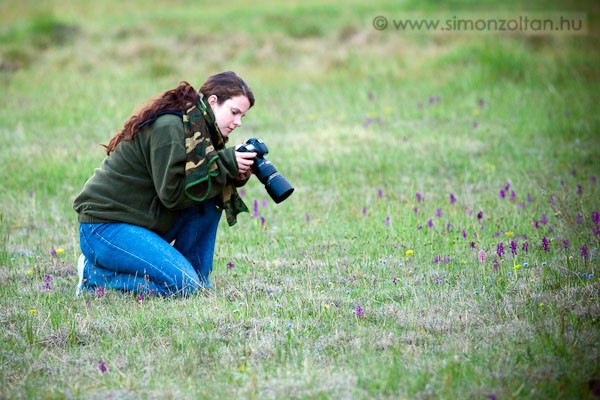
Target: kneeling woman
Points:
(148, 216)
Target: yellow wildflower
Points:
(408, 252)
(541, 304)
(475, 112)
(387, 110)
(33, 311)
(510, 233)
(326, 306)
(60, 251)
(29, 272)
(517, 266)
(463, 261)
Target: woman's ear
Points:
(212, 100)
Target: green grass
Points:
(70, 74)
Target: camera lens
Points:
(278, 188)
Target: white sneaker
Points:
(80, 266)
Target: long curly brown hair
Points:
(224, 85)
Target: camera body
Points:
(277, 186)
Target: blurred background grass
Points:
(345, 110)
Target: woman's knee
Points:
(179, 279)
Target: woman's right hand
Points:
(244, 161)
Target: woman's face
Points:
(229, 114)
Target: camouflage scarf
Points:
(202, 140)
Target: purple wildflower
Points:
(472, 245)
(448, 226)
(31, 193)
(379, 193)
(53, 252)
(430, 223)
(506, 186)
(464, 234)
(513, 247)
(387, 221)
(255, 213)
(262, 221)
(496, 264)
(431, 100)
(550, 229)
(475, 124)
(419, 196)
(513, 196)
(593, 179)
(565, 244)
(469, 212)
(395, 281)
(141, 297)
(544, 219)
(500, 249)
(368, 121)
(102, 366)
(446, 260)
(47, 281)
(502, 194)
(307, 216)
(584, 252)
(437, 259)
(452, 198)
(263, 203)
(595, 217)
(536, 224)
(99, 291)
(480, 102)
(359, 311)
(579, 189)
(242, 192)
(573, 172)
(230, 265)
(364, 210)
(579, 219)
(438, 212)
(371, 96)
(529, 199)
(480, 215)
(521, 205)
(552, 200)
(525, 247)
(545, 244)
(596, 230)
(416, 210)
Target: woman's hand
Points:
(244, 177)
(244, 162)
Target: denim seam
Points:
(87, 242)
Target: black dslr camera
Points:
(277, 186)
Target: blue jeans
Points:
(130, 257)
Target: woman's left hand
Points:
(245, 176)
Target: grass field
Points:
(442, 240)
